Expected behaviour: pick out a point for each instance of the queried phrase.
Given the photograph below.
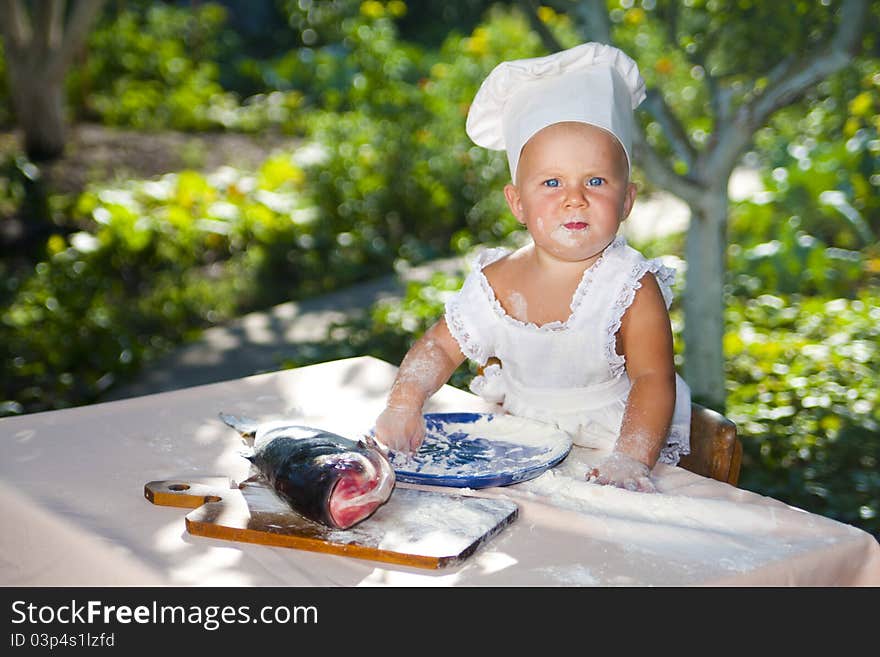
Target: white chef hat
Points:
(591, 83)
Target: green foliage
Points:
(687, 49)
(155, 67)
(401, 166)
(823, 157)
(345, 49)
(803, 389)
(793, 261)
(13, 173)
(723, 35)
(160, 259)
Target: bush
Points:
(160, 259)
(822, 156)
(402, 167)
(155, 67)
(803, 389)
(794, 262)
(155, 260)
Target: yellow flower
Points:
(478, 44)
(56, 244)
(851, 126)
(546, 14)
(372, 9)
(862, 105)
(439, 70)
(664, 66)
(634, 16)
(397, 8)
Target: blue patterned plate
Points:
(477, 450)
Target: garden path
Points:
(262, 341)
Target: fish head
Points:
(364, 481)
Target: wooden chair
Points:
(716, 452)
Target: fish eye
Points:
(350, 462)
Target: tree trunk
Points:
(40, 40)
(39, 107)
(703, 301)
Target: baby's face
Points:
(572, 190)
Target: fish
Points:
(330, 479)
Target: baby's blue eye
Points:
(553, 182)
(595, 181)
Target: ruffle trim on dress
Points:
(489, 256)
(471, 348)
(489, 385)
(677, 445)
(665, 277)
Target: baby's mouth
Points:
(575, 224)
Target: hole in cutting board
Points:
(179, 488)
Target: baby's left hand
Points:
(620, 470)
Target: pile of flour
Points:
(489, 444)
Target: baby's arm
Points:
(646, 343)
(426, 367)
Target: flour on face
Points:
(566, 236)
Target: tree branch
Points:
(597, 25)
(14, 24)
(799, 78)
(787, 82)
(661, 174)
(672, 128)
(55, 26)
(594, 21)
(84, 14)
(530, 9)
(41, 18)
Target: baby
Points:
(573, 328)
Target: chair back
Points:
(716, 451)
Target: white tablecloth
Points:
(74, 514)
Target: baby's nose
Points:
(575, 197)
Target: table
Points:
(74, 514)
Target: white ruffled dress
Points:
(565, 373)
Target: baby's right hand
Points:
(401, 428)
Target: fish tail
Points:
(246, 426)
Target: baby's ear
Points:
(629, 199)
(511, 194)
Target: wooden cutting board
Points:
(420, 528)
